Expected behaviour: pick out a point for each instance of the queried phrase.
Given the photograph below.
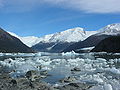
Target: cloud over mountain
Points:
(88, 6)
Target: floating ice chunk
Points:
(47, 63)
(99, 87)
(22, 69)
(93, 79)
(116, 60)
(46, 68)
(27, 54)
(38, 54)
(17, 54)
(57, 61)
(113, 70)
(74, 62)
(102, 87)
(1, 54)
(25, 68)
(99, 70)
(101, 60)
(107, 87)
(16, 74)
(7, 63)
(99, 80)
(88, 61)
(116, 54)
(43, 62)
(72, 53)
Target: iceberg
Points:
(72, 53)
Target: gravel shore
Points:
(8, 83)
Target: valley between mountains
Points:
(70, 40)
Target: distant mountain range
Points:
(93, 40)
(110, 44)
(71, 39)
(56, 42)
(70, 35)
(11, 44)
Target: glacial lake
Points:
(95, 68)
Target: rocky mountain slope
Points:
(70, 35)
(111, 44)
(11, 44)
(28, 40)
(71, 39)
(59, 41)
(89, 42)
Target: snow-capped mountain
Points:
(70, 35)
(93, 40)
(61, 40)
(112, 29)
(11, 44)
(71, 39)
(29, 40)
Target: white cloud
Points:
(98, 6)
(89, 6)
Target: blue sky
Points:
(41, 17)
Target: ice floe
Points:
(72, 53)
(103, 74)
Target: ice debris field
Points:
(102, 73)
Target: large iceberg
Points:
(72, 53)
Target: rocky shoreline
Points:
(28, 83)
(23, 83)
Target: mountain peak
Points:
(11, 44)
(112, 29)
(114, 26)
(69, 35)
(76, 29)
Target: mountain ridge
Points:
(111, 29)
(69, 35)
(93, 40)
(70, 39)
(11, 44)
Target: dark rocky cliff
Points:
(11, 44)
(110, 44)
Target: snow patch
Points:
(112, 29)
(87, 48)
